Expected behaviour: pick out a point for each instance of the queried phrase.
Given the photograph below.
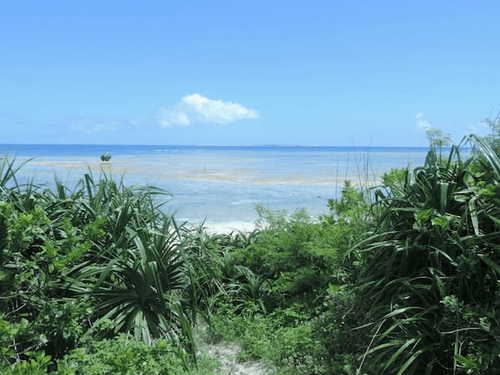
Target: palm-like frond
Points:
(438, 241)
(142, 284)
(101, 240)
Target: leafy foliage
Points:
(431, 273)
(128, 356)
(401, 279)
(70, 259)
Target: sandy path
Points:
(227, 356)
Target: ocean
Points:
(221, 185)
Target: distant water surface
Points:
(222, 184)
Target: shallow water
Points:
(222, 185)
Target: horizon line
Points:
(204, 145)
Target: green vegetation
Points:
(105, 157)
(399, 279)
(92, 262)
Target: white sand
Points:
(226, 354)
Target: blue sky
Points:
(243, 73)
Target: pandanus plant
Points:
(101, 243)
(432, 269)
(139, 290)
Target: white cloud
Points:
(422, 123)
(197, 109)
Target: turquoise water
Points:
(222, 185)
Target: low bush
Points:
(290, 348)
(128, 356)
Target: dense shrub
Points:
(431, 273)
(292, 348)
(128, 356)
(408, 285)
(402, 279)
(70, 259)
(280, 282)
(299, 257)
